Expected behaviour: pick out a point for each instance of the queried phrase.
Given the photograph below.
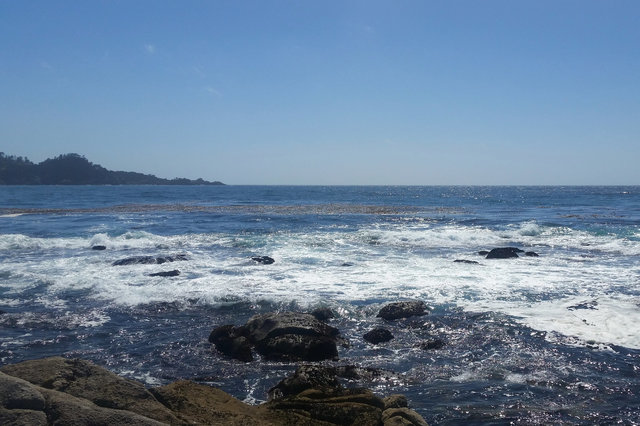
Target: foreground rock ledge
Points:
(60, 391)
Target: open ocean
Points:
(548, 339)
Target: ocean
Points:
(530, 340)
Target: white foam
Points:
(393, 261)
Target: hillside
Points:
(74, 169)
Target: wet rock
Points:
(503, 253)
(399, 310)
(291, 336)
(431, 344)
(531, 254)
(346, 264)
(483, 252)
(470, 262)
(378, 335)
(173, 273)
(231, 341)
(149, 260)
(99, 247)
(265, 260)
(323, 314)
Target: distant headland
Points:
(75, 169)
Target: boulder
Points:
(503, 253)
(99, 247)
(231, 341)
(397, 310)
(483, 252)
(292, 336)
(265, 260)
(84, 379)
(149, 260)
(173, 273)
(305, 377)
(378, 335)
(531, 254)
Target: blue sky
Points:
(328, 92)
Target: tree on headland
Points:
(75, 169)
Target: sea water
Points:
(547, 339)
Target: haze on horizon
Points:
(332, 92)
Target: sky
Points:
(450, 92)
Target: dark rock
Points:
(305, 377)
(399, 310)
(149, 260)
(265, 260)
(483, 252)
(347, 264)
(378, 335)
(323, 314)
(503, 253)
(289, 336)
(531, 254)
(173, 273)
(231, 341)
(431, 344)
(591, 305)
(99, 247)
(471, 262)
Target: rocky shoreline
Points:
(62, 391)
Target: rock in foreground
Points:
(59, 391)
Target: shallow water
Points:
(529, 340)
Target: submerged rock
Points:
(173, 273)
(531, 254)
(397, 310)
(483, 252)
(149, 260)
(430, 344)
(503, 253)
(265, 260)
(99, 247)
(470, 262)
(378, 335)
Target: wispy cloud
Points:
(212, 91)
(150, 48)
